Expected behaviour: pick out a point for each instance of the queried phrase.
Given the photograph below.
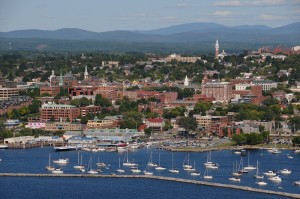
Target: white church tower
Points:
(186, 81)
(86, 74)
(217, 49)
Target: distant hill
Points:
(184, 33)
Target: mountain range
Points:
(192, 32)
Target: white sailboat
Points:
(147, 171)
(79, 163)
(119, 169)
(209, 164)
(150, 162)
(50, 167)
(241, 166)
(186, 163)
(249, 167)
(257, 176)
(100, 164)
(234, 178)
(128, 163)
(235, 172)
(172, 170)
(90, 167)
(195, 172)
(159, 167)
(206, 176)
(61, 161)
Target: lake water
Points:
(34, 161)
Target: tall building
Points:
(217, 49)
(86, 74)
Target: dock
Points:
(180, 180)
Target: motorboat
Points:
(57, 171)
(135, 170)
(173, 170)
(61, 161)
(261, 183)
(65, 148)
(285, 171)
(297, 183)
(270, 173)
(275, 179)
(235, 179)
(92, 171)
(195, 174)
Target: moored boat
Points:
(275, 179)
(285, 171)
(61, 161)
(57, 171)
(270, 173)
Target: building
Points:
(107, 91)
(112, 134)
(179, 58)
(217, 49)
(100, 124)
(110, 63)
(6, 93)
(51, 90)
(64, 126)
(266, 84)
(212, 124)
(221, 91)
(60, 112)
(156, 124)
(65, 81)
(89, 109)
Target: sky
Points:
(108, 15)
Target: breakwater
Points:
(180, 180)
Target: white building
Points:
(266, 84)
(242, 86)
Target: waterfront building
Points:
(64, 126)
(112, 134)
(19, 140)
(156, 124)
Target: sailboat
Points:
(79, 163)
(146, 171)
(127, 163)
(119, 169)
(209, 164)
(90, 169)
(186, 163)
(50, 167)
(235, 172)
(206, 176)
(160, 168)
(241, 169)
(257, 176)
(150, 162)
(172, 170)
(249, 167)
(234, 178)
(100, 164)
(195, 173)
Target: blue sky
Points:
(106, 15)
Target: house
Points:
(156, 124)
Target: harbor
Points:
(197, 182)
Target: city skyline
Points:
(101, 16)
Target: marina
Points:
(34, 161)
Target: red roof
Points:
(156, 120)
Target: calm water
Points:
(35, 160)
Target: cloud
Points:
(270, 17)
(222, 13)
(167, 18)
(181, 5)
(228, 3)
(296, 1)
(265, 2)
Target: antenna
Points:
(9, 43)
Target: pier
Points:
(180, 180)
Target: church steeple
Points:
(217, 49)
(61, 81)
(186, 81)
(86, 74)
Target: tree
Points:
(240, 139)
(188, 123)
(101, 101)
(296, 141)
(254, 138)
